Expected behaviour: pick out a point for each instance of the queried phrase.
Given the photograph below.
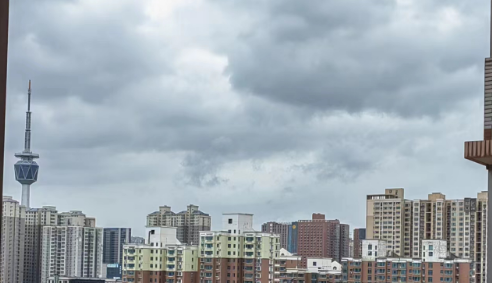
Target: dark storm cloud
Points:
(359, 55)
(71, 50)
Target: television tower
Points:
(481, 153)
(26, 169)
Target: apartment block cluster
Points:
(431, 240)
(44, 245)
(404, 224)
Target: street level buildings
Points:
(189, 222)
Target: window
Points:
(230, 220)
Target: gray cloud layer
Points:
(272, 107)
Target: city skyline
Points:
(125, 123)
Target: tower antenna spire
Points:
(27, 138)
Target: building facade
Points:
(359, 235)
(13, 236)
(189, 222)
(323, 238)
(404, 224)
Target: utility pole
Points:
(4, 40)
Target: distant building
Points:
(12, 249)
(137, 240)
(281, 229)
(323, 238)
(351, 248)
(114, 239)
(189, 222)
(359, 235)
(286, 231)
(293, 236)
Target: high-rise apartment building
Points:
(189, 222)
(359, 235)
(72, 248)
(114, 239)
(12, 249)
(405, 223)
(323, 238)
(36, 219)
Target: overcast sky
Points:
(279, 108)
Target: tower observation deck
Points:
(26, 169)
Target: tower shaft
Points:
(26, 195)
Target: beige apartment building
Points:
(189, 222)
(36, 219)
(403, 224)
(12, 249)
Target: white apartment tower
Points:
(73, 248)
(13, 232)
